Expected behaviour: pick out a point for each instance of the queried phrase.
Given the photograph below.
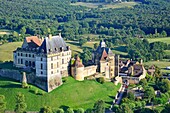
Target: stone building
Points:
(106, 61)
(79, 72)
(49, 57)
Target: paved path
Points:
(120, 95)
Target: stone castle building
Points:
(106, 61)
(103, 61)
(49, 57)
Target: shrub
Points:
(36, 91)
(60, 110)
(100, 80)
(69, 110)
(24, 85)
(80, 110)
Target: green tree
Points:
(165, 85)
(2, 103)
(80, 110)
(46, 109)
(60, 111)
(149, 93)
(166, 109)
(69, 110)
(131, 96)
(143, 83)
(82, 41)
(95, 45)
(23, 30)
(20, 103)
(99, 107)
(124, 108)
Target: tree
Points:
(82, 41)
(2, 103)
(20, 103)
(124, 108)
(143, 83)
(95, 45)
(166, 109)
(131, 96)
(23, 30)
(165, 85)
(46, 109)
(89, 111)
(80, 110)
(149, 93)
(69, 110)
(99, 107)
(60, 110)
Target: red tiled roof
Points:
(77, 62)
(34, 39)
(104, 55)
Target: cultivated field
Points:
(73, 94)
(106, 6)
(6, 50)
(165, 40)
(160, 64)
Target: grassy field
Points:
(72, 93)
(165, 40)
(5, 32)
(160, 64)
(6, 50)
(106, 6)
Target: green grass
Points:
(165, 40)
(160, 64)
(6, 50)
(106, 6)
(73, 93)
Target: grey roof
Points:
(53, 44)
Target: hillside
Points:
(73, 94)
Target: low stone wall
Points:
(13, 74)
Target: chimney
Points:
(50, 36)
(60, 35)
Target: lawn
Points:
(106, 6)
(72, 93)
(6, 50)
(160, 64)
(165, 40)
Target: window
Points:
(29, 55)
(51, 72)
(57, 64)
(33, 56)
(18, 54)
(62, 61)
(41, 59)
(51, 65)
(21, 54)
(41, 72)
(18, 61)
(51, 58)
(21, 61)
(62, 54)
(41, 66)
(26, 55)
(57, 71)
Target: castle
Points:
(103, 61)
(49, 57)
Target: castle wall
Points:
(102, 66)
(90, 70)
(79, 73)
(41, 66)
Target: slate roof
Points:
(53, 44)
(103, 51)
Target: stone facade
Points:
(49, 57)
(106, 61)
(79, 72)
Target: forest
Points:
(147, 19)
